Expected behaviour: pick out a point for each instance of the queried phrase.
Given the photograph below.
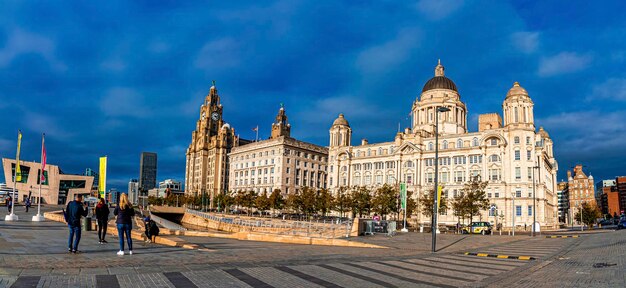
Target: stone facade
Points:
(280, 162)
(581, 189)
(58, 188)
(504, 155)
(207, 155)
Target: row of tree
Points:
(358, 201)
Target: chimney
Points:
(363, 141)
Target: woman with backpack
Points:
(125, 213)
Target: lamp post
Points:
(434, 217)
(514, 210)
(534, 199)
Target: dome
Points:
(341, 121)
(544, 134)
(439, 82)
(516, 90)
(226, 125)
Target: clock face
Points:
(215, 116)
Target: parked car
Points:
(477, 228)
(605, 222)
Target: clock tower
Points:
(206, 172)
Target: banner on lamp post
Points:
(438, 196)
(403, 195)
(102, 177)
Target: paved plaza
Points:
(35, 255)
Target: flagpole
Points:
(257, 133)
(12, 216)
(39, 217)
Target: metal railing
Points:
(317, 229)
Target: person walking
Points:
(8, 201)
(74, 211)
(27, 204)
(102, 216)
(125, 213)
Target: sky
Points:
(117, 78)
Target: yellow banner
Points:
(102, 177)
(438, 197)
(18, 171)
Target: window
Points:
(518, 193)
(428, 162)
(409, 164)
(445, 144)
(517, 155)
(527, 140)
(518, 211)
(430, 146)
(496, 194)
(390, 179)
(475, 142)
(518, 173)
(368, 166)
(528, 154)
(459, 143)
(492, 212)
(368, 179)
(409, 179)
(356, 180)
(331, 168)
(444, 161)
(429, 177)
(369, 152)
(530, 210)
(458, 160)
(494, 158)
(475, 159)
(459, 176)
(494, 174)
(489, 196)
(494, 141)
(530, 173)
(379, 179)
(474, 173)
(516, 140)
(445, 176)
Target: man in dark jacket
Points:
(75, 211)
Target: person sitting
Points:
(151, 230)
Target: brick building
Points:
(580, 189)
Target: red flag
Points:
(255, 128)
(43, 160)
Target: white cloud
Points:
(563, 63)
(21, 42)
(438, 9)
(122, 101)
(221, 53)
(612, 89)
(390, 54)
(526, 42)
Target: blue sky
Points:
(120, 77)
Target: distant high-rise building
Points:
(147, 171)
(133, 191)
(563, 201)
(94, 174)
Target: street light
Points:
(434, 218)
(514, 210)
(534, 202)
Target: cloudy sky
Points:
(120, 77)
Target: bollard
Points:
(421, 229)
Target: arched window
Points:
(459, 143)
(516, 115)
(445, 144)
(475, 142)
(380, 151)
(391, 150)
(369, 152)
(430, 146)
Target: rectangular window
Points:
(489, 196)
(530, 210)
(528, 154)
(518, 211)
(409, 179)
(496, 194)
(379, 179)
(445, 176)
(530, 173)
(518, 173)
(517, 155)
(518, 193)
(527, 140)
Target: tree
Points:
(262, 202)
(223, 201)
(427, 201)
(385, 200)
(476, 199)
(276, 200)
(459, 207)
(293, 202)
(411, 204)
(308, 201)
(324, 201)
(343, 201)
(590, 214)
(248, 200)
(361, 201)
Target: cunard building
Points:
(504, 152)
(207, 156)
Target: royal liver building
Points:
(501, 152)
